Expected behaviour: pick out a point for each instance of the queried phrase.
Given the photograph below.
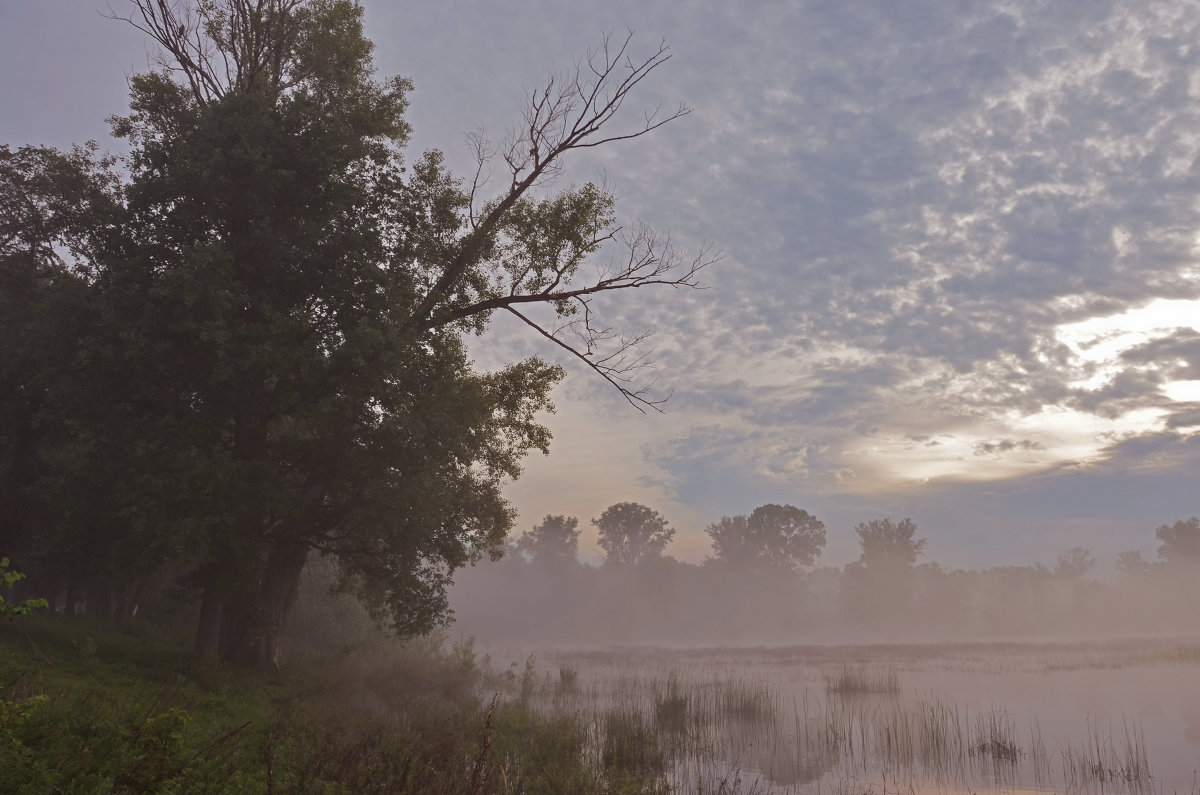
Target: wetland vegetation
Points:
(1101, 717)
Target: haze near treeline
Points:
(763, 585)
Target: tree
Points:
(1179, 543)
(55, 207)
(1131, 565)
(772, 537)
(11, 610)
(878, 587)
(889, 545)
(554, 541)
(1074, 564)
(274, 364)
(631, 533)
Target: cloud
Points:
(1007, 446)
(923, 206)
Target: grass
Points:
(672, 707)
(745, 700)
(995, 738)
(97, 708)
(630, 743)
(714, 723)
(88, 707)
(863, 681)
(1104, 759)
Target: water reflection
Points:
(1013, 718)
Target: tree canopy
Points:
(888, 544)
(1074, 564)
(253, 349)
(631, 533)
(1179, 543)
(772, 537)
(554, 540)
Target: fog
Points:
(660, 601)
(765, 671)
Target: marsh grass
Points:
(995, 738)
(748, 700)
(859, 680)
(1104, 759)
(568, 679)
(630, 744)
(672, 706)
(716, 724)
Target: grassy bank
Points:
(96, 708)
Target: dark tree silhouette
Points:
(631, 533)
(554, 541)
(1179, 543)
(888, 544)
(273, 361)
(772, 537)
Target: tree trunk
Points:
(208, 628)
(99, 599)
(251, 633)
(129, 595)
(74, 591)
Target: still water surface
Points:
(1113, 717)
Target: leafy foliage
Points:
(887, 544)
(1179, 543)
(772, 537)
(8, 579)
(631, 533)
(1074, 564)
(255, 349)
(555, 540)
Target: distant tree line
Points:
(763, 584)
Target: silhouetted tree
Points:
(772, 537)
(554, 541)
(631, 533)
(274, 359)
(1131, 564)
(888, 544)
(1074, 564)
(1179, 543)
(878, 587)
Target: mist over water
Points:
(664, 602)
(871, 678)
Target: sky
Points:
(960, 251)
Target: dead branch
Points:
(614, 368)
(223, 47)
(564, 115)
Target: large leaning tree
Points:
(251, 346)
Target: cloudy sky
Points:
(961, 251)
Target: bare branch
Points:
(564, 115)
(483, 154)
(649, 261)
(223, 47)
(614, 369)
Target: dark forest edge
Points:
(99, 707)
(244, 343)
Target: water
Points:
(1119, 717)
